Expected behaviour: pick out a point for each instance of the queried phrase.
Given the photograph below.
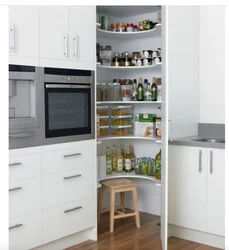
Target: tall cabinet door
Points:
(216, 192)
(24, 35)
(187, 187)
(54, 37)
(82, 31)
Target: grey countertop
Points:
(186, 141)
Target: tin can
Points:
(105, 23)
(114, 27)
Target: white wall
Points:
(212, 67)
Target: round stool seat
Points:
(116, 183)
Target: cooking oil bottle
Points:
(114, 161)
(158, 165)
(119, 161)
(108, 161)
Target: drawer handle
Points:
(200, 161)
(14, 189)
(72, 209)
(72, 176)
(15, 226)
(76, 154)
(211, 162)
(14, 164)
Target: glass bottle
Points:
(134, 90)
(137, 167)
(128, 160)
(140, 90)
(119, 161)
(132, 158)
(114, 164)
(108, 161)
(153, 167)
(154, 90)
(123, 155)
(149, 92)
(145, 90)
(158, 165)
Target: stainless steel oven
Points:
(68, 110)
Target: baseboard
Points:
(71, 240)
(196, 236)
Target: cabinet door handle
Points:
(16, 225)
(66, 45)
(72, 176)
(75, 40)
(72, 209)
(14, 164)
(200, 161)
(70, 155)
(211, 162)
(12, 39)
(14, 189)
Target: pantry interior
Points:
(151, 191)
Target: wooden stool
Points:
(118, 186)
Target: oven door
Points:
(69, 112)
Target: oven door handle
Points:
(67, 86)
(24, 135)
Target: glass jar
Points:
(144, 24)
(135, 28)
(105, 92)
(99, 93)
(140, 26)
(121, 27)
(105, 55)
(114, 27)
(117, 81)
(121, 110)
(126, 92)
(126, 59)
(116, 61)
(105, 23)
(115, 91)
(121, 130)
(129, 27)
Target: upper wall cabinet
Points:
(24, 35)
(67, 39)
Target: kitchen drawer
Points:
(24, 166)
(67, 219)
(27, 232)
(24, 197)
(68, 186)
(68, 159)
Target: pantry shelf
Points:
(129, 102)
(158, 65)
(113, 137)
(129, 35)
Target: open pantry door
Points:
(164, 106)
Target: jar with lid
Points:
(121, 27)
(126, 59)
(140, 26)
(105, 55)
(135, 28)
(115, 91)
(144, 24)
(105, 23)
(105, 91)
(129, 27)
(116, 61)
(114, 27)
(99, 92)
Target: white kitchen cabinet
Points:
(216, 192)
(24, 35)
(196, 188)
(187, 187)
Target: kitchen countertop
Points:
(186, 141)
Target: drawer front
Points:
(67, 219)
(24, 197)
(24, 166)
(68, 186)
(25, 232)
(67, 159)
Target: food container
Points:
(103, 111)
(158, 128)
(126, 92)
(157, 60)
(129, 27)
(121, 27)
(155, 53)
(115, 91)
(121, 120)
(135, 28)
(97, 52)
(97, 125)
(121, 130)
(105, 55)
(103, 121)
(121, 110)
(144, 24)
(99, 92)
(144, 125)
(105, 23)
(139, 62)
(147, 53)
(116, 61)
(117, 81)
(140, 26)
(105, 91)
(150, 25)
(126, 59)
(114, 27)
(127, 82)
(104, 131)
(136, 55)
(147, 61)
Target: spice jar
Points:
(140, 26)
(150, 25)
(129, 27)
(135, 28)
(116, 61)
(126, 59)
(147, 53)
(157, 60)
(144, 24)
(114, 27)
(139, 62)
(105, 23)
(147, 61)
(121, 27)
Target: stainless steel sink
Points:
(210, 140)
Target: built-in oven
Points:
(69, 108)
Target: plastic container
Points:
(115, 91)
(99, 92)
(103, 110)
(105, 91)
(121, 120)
(121, 130)
(103, 121)
(121, 110)
(104, 131)
(105, 55)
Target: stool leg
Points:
(100, 203)
(112, 210)
(135, 198)
(122, 196)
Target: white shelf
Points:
(129, 102)
(98, 24)
(158, 65)
(134, 137)
(129, 35)
(131, 175)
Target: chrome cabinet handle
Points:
(14, 189)
(66, 45)
(12, 40)
(72, 176)
(16, 225)
(14, 164)
(15, 136)
(72, 209)
(70, 155)
(75, 40)
(200, 160)
(211, 162)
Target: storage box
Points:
(144, 125)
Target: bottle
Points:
(123, 155)
(128, 160)
(159, 92)
(132, 158)
(140, 90)
(149, 94)
(154, 90)
(108, 161)
(158, 165)
(145, 90)
(119, 161)
(114, 164)
(137, 167)
(134, 90)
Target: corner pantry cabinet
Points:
(196, 188)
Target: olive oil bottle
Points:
(114, 164)
(108, 161)
(133, 161)
(154, 90)
(128, 160)
(158, 165)
(119, 161)
(140, 90)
